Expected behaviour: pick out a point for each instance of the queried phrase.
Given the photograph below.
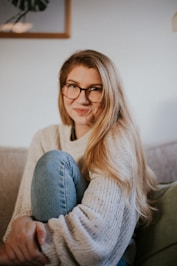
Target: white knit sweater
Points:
(97, 231)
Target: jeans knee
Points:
(50, 158)
(53, 155)
(50, 163)
(53, 190)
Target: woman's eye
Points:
(95, 89)
(72, 86)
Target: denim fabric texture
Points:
(57, 185)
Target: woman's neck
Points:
(81, 130)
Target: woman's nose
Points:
(82, 97)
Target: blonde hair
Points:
(115, 117)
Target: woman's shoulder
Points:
(117, 138)
(120, 144)
(48, 131)
(51, 136)
(47, 137)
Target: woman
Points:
(86, 181)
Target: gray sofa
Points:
(162, 159)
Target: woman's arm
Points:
(42, 141)
(22, 231)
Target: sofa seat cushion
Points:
(163, 161)
(157, 243)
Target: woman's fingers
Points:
(26, 253)
(11, 254)
(36, 254)
(41, 233)
(4, 259)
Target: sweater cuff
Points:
(48, 248)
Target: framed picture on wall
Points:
(35, 18)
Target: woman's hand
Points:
(24, 241)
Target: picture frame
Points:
(53, 22)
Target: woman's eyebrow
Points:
(92, 84)
(71, 80)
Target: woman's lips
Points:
(81, 111)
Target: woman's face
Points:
(82, 110)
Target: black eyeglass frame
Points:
(87, 91)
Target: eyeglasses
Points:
(72, 91)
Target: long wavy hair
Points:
(115, 118)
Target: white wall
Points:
(136, 34)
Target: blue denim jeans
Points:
(57, 187)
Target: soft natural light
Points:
(18, 27)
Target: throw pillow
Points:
(157, 243)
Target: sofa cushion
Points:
(157, 243)
(163, 161)
(12, 161)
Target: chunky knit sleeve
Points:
(42, 141)
(97, 231)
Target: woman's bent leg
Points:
(57, 185)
